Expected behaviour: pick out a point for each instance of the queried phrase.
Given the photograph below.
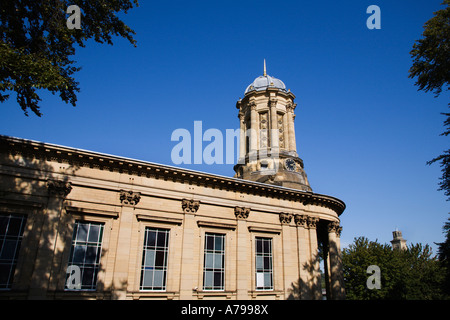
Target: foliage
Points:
(431, 67)
(36, 45)
(410, 274)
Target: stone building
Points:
(77, 224)
(398, 242)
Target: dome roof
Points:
(264, 82)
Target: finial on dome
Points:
(265, 73)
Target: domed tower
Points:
(268, 152)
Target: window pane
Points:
(218, 244)
(259, 263)
(161, 239)
(3, 225)
(209, 242)
(208, 282)
(258, 245)
(147, 280)
(158, 278)
(159, 261)
(79, 253)
(82, 232)
(209, 258)
(218, 261)
(94, 232)
(151, 239)
(14, 226)
(149, 257)
(218, 280)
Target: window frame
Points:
(99, 244)
(263, 270)
(18, 239)
(166, 257)
(214, 251)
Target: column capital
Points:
(285, 218)
(333, 226)
(58, 188)
(301, 220)
(311, 222)
(129, 198)
(290, 107)
(241, 213)
(190, 206)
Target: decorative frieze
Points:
(241, 213)
(334, 226)
(190, 206)
(58, 187)
(129, 198)
(285, 218)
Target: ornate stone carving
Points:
(311, 222)
(58, 187)
(241, 213)
(129, 198)
(190, 206)
(290, 107)
(263, 126)
(285, 218)
(300, 220)
(334, 226)
(280, 130)
(273, 103)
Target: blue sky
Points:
(363, 130)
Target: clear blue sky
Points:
(363, 130)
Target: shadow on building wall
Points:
(36, 184)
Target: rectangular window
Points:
(154, 259)
(85, 256)
(214, 262)
(11, 234)
(264, 270)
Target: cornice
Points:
(100, 161)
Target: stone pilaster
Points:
(243, 272)
(291, 128)
(51, 218)
(188, 268)
(335, 266)
(128, 200)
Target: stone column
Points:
(314, 259)
(40, 278)
(128, 200)
(290, 271)
(335, 262)
(241, 138)
(290, 119)
(243, 270)
(254, 128)
(274, 137)
(303, 288)
(188, 275)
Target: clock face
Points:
(290, 164)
